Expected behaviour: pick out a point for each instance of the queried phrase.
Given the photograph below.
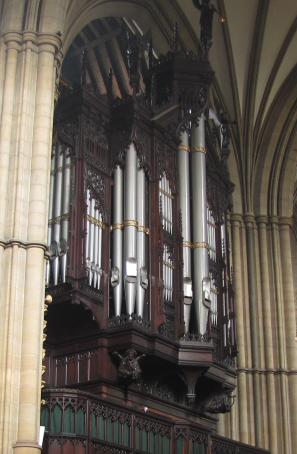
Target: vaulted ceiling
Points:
(255, 62)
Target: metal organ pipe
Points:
(65, 211)
(99, 256)
(91, 243)
(130, 228)
(141, 274)
(88, 233)
(57, 211)
(50, 214)
(117, 282)
(200, 240)
(96, 247)
(184, 197)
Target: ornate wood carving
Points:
(129, 369)
(219, 447)
(95, 144)
(68, 132)
(152, 426)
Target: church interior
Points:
(148, 245)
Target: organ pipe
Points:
(130, 228)
(57, 206)
(184, 197)
(141, 275)
(91, 244)
(88, 232)
(50, 215)
(117, 283)
(200, 240)
(65, 211)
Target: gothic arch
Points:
(278, 133)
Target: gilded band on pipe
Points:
(200, 244)
(214, 291)
(195, 245)
(130, 223)
(166, 193)
(213, 225)
(143, 228)
(140, 228)
(169, 265)
(96, 222)
(58, 219)
(116, 226)
(201, 149)
(66, 166)
(184, 147)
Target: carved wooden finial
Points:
(175, 38)
(109, 84)
(83, 72)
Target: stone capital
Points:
(49, 43)
(13, 40)
(262, 221)
(249, 219)
(236, 217)
(285, 223)
(273, 220)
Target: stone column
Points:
(285, 224)
(267, 310)
(236, 222)
(12, 41)
(32, 334)
(254, 325)
(280, 337)
(12, 250)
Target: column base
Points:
(26, 447)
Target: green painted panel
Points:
(56, 419)
(69, 421)
(80, 422)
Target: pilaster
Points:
(25, 143)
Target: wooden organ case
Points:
(140, 336)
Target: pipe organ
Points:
(139, 262)
(129, 270)
(59, 209)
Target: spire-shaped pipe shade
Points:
(184, 198)
(141, 262)
(199, 210)
(130, 230)
(118, 239)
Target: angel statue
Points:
(206, 18)
(129, 364)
